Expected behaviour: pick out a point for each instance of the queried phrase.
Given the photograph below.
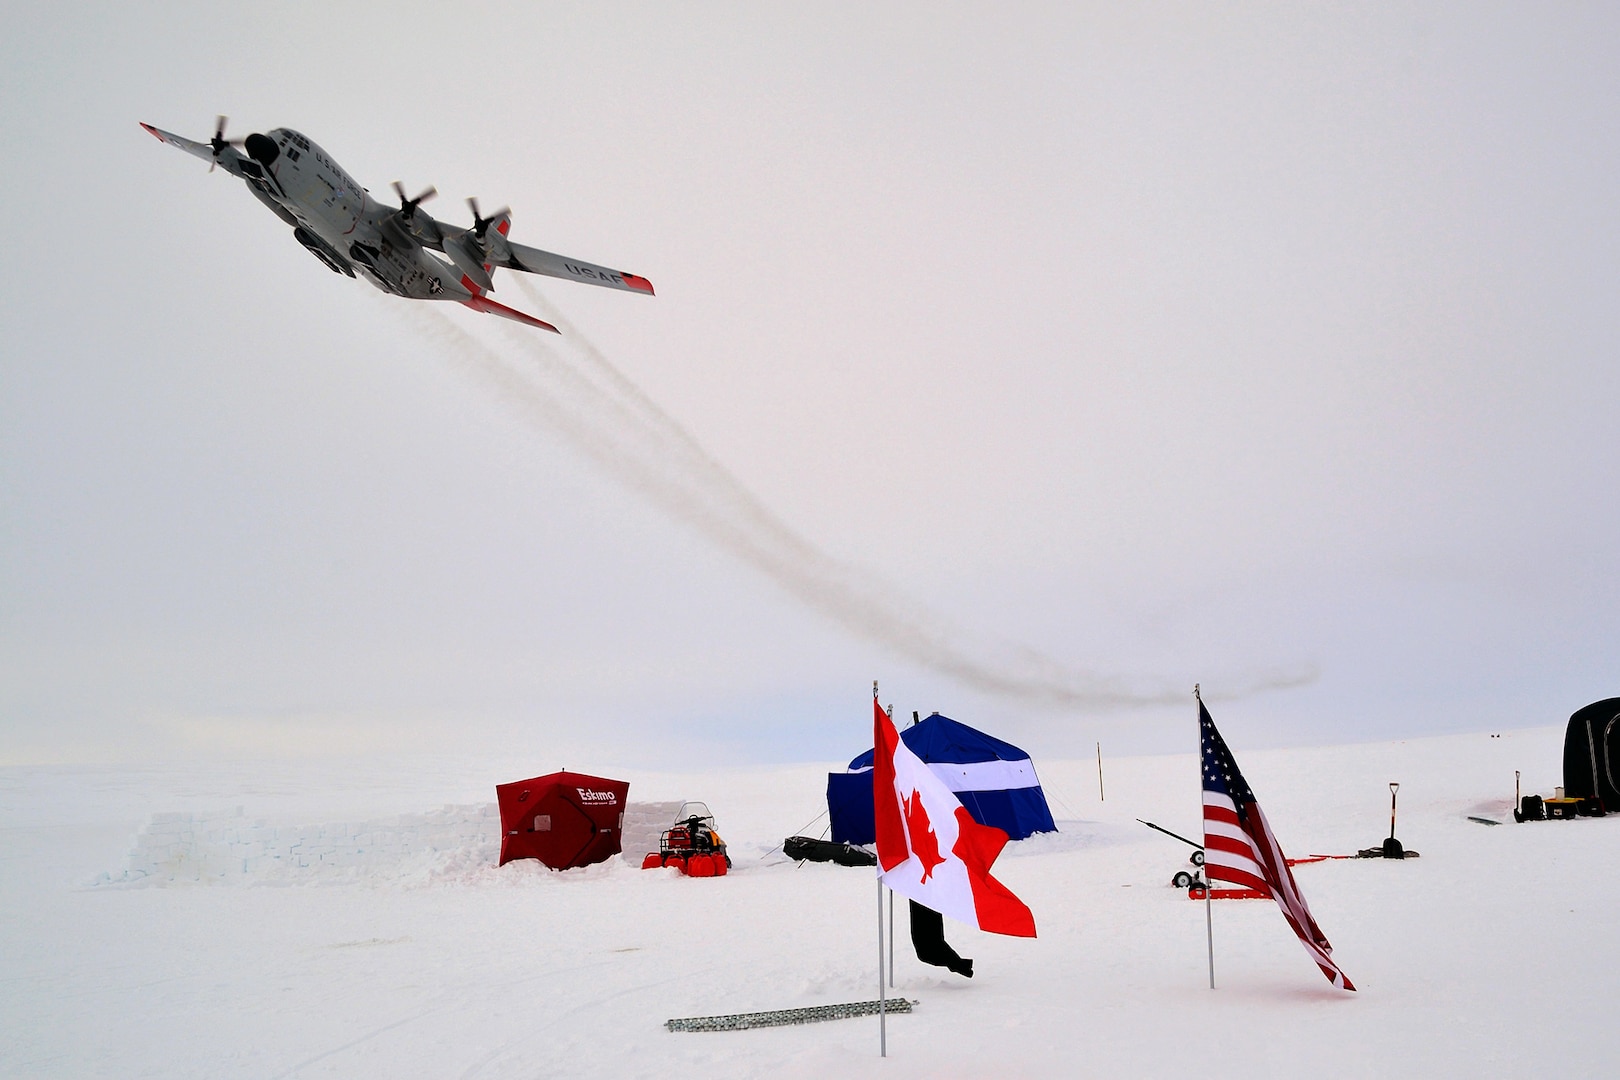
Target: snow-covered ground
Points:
(159, 922)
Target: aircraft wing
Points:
(195, 149)
(475, 254)
(535, 261)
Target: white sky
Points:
(1174, 343)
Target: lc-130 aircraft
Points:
(344, 227)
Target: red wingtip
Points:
(150, 130)
(490, 307)
(640, 284)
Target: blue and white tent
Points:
(995, 780)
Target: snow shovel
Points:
(1392, 846)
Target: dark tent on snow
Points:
(1592, 754)
(564, 819)
(994, 780)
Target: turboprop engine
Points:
(480, 245)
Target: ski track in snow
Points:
(1491, 955)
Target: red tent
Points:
(565, 819)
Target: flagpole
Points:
(1209, 917)
(891, 938)
(883, 1004)
(891, 905)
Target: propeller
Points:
(219, 142)
(481, 224)
(407, 207)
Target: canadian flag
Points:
(929, 847)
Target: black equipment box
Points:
(1562, 808)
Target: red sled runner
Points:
(1196, 891)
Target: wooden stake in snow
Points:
(1100, 796)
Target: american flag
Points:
(1239, 846)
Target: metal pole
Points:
(1167, 832)
(891, 937)
(883, 1004)
(1209, 928)
(1100, 796)
(1209, 917)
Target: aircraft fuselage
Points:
(329, 204)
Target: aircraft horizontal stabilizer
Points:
(490, 307)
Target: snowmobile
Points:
(691, 845)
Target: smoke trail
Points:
(578, 393)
